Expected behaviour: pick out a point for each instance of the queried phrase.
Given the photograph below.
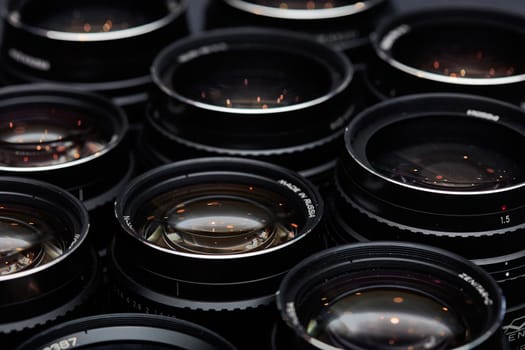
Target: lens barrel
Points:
(47, 268)
(130, 332)
(472, 51)
(231, 227)
(388, 295)
(256, 93)
(439, 169)
(73, 139)
(92, 45)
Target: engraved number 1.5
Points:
(505, 219)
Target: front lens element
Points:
(29, 237)
(219, 219)
(389, 318)
(303, 5)
(93, 16)
(254, 79)
(44, 135)
(448, 153)
(462, 51)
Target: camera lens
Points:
(440, 169)
(90, 44)
(128, 332)
(249, 85)
(232, 227)
(457, 51)
(389, 296)
(47, 269)
(64, 137)
(344, 25)
(453, 158)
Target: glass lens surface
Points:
(132, 346)
(44, 135)
(252, 79)
(305, 4)
(29, 237)
(388, 318)
(82, 16)
(475, 51)
(456, 154)
(219, 218)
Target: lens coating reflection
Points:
(133, 346)
(92, 16)
(462, 51)
(388, 318)
(29, 237)
(448, 154)
(219, 219)
(47, 135)
(252, 79)
(304, 5)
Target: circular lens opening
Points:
(455, 47)
(448, 153)
(389, 317)
(219, 218)
(304, 5)
(252, 79)
(39, 135)
(390, 295)
(93, 16)
(31, 235)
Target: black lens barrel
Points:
(95, 178)
(129, 331)
(461, 50)
(214, 282)
(359, 268)
(183, 124)
(113, 61)
(43, 293)
(434, 210)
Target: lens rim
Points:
(204, 167)
(247, 38)
(21, 187)
(13, 96)
(337, 258)
(299, 14)
(373, 118)
(120, 325)
(386, 35)
(174, 9)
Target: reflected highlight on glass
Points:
(474, 51)
(219, 219)
(45, 136)
(448, 157)
(265, 79)
(388, 318)
(28, 238)
(93, 16)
